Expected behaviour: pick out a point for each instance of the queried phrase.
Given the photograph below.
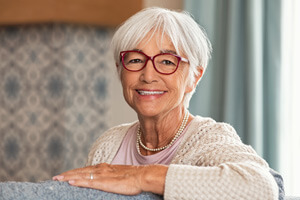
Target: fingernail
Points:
(71, 182)
(58, 178)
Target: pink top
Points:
(128, 154)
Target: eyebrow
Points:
(161, 51)
(169, 51)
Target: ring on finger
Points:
(91, 176)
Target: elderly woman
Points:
(161, 55)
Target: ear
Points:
(198, 77)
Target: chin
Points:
(147, 112)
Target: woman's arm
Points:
(215, 164)
(121, 179)
(227, 181)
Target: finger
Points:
(89, 169)
(85, 170)
(94, 184)
(78, 171)
(85, 173)
(107, 185)
(87, 176)
(84, 183)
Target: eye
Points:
(136, 60)
(168, 62)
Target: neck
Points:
(159, 131)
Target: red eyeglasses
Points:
(163, 63)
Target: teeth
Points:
(142, 92)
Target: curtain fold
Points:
(241, 84)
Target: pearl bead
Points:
(180, 130)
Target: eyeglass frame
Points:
(122, 53)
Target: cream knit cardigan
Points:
(210, 163)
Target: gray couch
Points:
(63, 191)
(60, 190)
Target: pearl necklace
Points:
(180, 130)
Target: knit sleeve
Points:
(215, 164)
(100, 147)
(106, 146)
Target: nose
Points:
(148, 73)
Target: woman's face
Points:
(150, 93)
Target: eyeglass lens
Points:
(164, 63)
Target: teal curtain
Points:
(241, 84)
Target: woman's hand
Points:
(121, 179)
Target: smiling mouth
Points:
(144, 92)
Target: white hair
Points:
(185, 34)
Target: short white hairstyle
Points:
(185, 34)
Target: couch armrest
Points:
(60, 190)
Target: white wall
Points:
(171, 4)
